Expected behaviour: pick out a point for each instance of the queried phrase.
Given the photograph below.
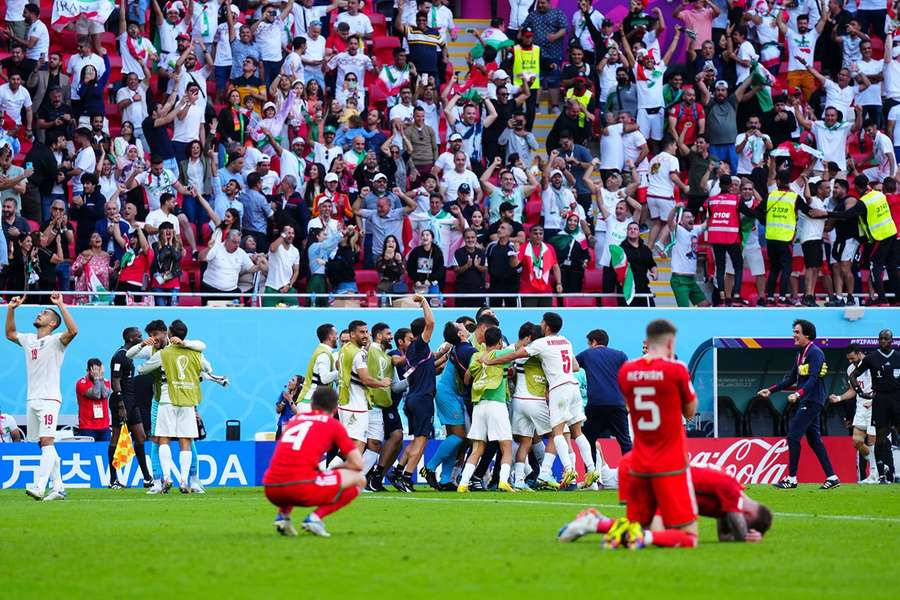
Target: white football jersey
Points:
(557, 358)
(865, 384)
(43, 361)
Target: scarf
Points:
(651, 76)
(137, 51)
(537, 260)
(237, 122)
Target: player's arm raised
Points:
(71, 328)
(506, 358)
(428, 315)
(11, 333)
(151, 364)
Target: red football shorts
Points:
(324, 489)
(671, 495)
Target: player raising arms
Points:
(44, 354)
(658, 392)
(293, 477)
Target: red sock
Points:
(285, 510)
(604, 525)
(346, 497)
(673, 538)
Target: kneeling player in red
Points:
(719, 495)
(293, 477)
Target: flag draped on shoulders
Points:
(67, 11)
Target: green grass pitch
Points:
(125, 544)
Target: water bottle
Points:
(175, 297)
(312, 299)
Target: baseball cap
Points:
(464, 188)
(794, 90)
(183, 36)
(500, 74)
(235, 10)
(331, 177)
(298, 140)
(269, 105)
(527, 31)
(455, 137)
(722, 83)
(379, 176)
(505, 206)
(329, 129)
(556, 172)
(264, 159)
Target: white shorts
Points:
(862, 420)
(753, 259)
(849, 250)
(84, 26)
(530, 416)
(565, 405)
(660, 208)
(651, 125)
(42, 418)
(490, 422)
(375, 430)
(176, 422)
(355, 422)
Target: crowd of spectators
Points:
(295, 147)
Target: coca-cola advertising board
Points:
(760, 460)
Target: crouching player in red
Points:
(739, 518)
(293, 477)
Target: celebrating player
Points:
(863, 430)
(293, 477)
(44, 354)
(658, 392)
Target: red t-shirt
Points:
(305, 439)
(536, 268)
(684, 115)
(655, 390)
(92, 414)
(894, 203)
(134, 273)
(717, 492)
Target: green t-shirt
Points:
(489, 382)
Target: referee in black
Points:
(884, 367)
(125, 408)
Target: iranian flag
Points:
(619, 262)
(67, 11)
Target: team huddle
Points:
(489, 392)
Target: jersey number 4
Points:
(296, 434)
(641, 403)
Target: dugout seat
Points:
(761, 419)
(835, 419)
(730, 418)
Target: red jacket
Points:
(92, 414)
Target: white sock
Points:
(184, 461)
(562, 450)
(165, 462)
(547, 466)
(519, 472)
(528, 469)
(45, 468)
(539, 448)
(56, 478)
(606, 474)
(504, 473)
(335, 462)
(369, 459)
(467, 473)
(584, 449)
(873, 465)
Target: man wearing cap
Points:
(383, 221)
(499, 79)
(507, 193)
(721, 118)
(549, 26)
(326, 151)
(267, 32)
(291, 161)
(556, 199)
(457, 176)
(189, 71)
(339, 202)
(444, 162)
(507, 217)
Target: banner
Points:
(239, 464)
(67, 11)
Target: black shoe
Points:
(785, 484)
(831, 482)
(195, 255)
(430, 478)
(395, 477)
(148, 483)
(408, 485)
(447, 487)
(809, 301)
(373, 483)
(115, 485)
(476, 485)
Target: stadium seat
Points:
(383, 48)
(579, 301)
(593, 281)
(730, 418)
(761, 419)
(366, 280)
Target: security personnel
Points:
(723, 232)
(779, 214)
(808, 374)
(877, 224)
(526, 66)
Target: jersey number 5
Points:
(641, 403)
(296, 434)
(566, 361)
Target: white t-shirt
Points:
(157, 217)
(15, 10)
(800, 45)
(186, 129)
(752, 153)
(808, 228)
(631, 145)
(292, 67)
(745, 52)
(222, 57)
(345, 63)
(444, 162)
(650, 90)
(882, 150)
(891, 87)
(303, 16)
(658, 181)
(684, 253)
(832, 142)
(76, 63)
(315, 50)
(157, 185)
(42, 47)
(280, 266)
(612, 152)
(359, 23)
(268, 39)
(130, 63)
(556, 356)
(616, 232)
(7, 426)
(579, 25)
(871, 96)
(43, 361)
(223, 268)
(402, 112)
(85, 160)
(840, 98)
(554, 203)
(205, 19)
(12, 102)
(609, 200)
(135, 112)
(453, 180)
(894, 115)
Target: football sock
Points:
(55, 475)
(335, 462)
(538, 449)
(528, 469)
(670, 538)
(166, 465)
(446, 448)
(547, 466)
(467, 474)
(873, 467)
(519, 472)
(448, 466)
(347, 496)
(110, 454)
(141, 455)
(45, 468)
(154, 461)
(605, 524)
(562, 450)
(584, 449)
(369, 459)
(184, 460)
(504, 473)
(195, 462)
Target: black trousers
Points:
(884, 257)
(805, 423)
(737, 261)
(508, 301)
(779, 267)
(605, 420)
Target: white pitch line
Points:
(576, 504)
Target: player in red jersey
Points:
(659, 395)
(293, 477)
(719, 495)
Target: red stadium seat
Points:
(593, 281)
(366, 280)
(580, 301)
(379, 24)
(383, 48)
(450, 281)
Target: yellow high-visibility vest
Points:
(527, 62)
(781, 216)
(878, 223)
